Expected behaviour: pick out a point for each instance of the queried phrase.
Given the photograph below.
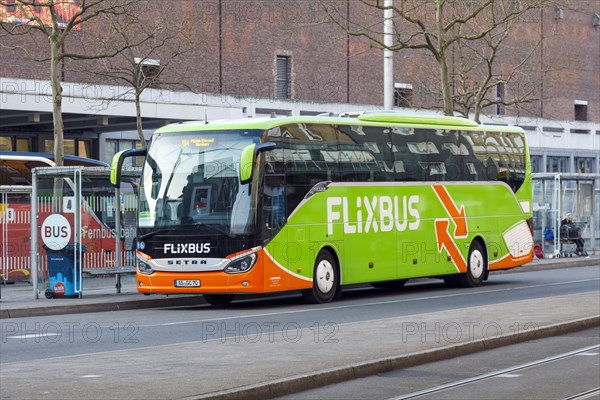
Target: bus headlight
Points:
(142, 265)
(144, 268)
(242, 264)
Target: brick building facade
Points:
(260, 50)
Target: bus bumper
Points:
(265, 276)
(208, 282)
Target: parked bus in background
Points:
(316, 203)
(15, 211)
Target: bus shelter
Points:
(78, 227)
(555, 195)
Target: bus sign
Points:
(56, 232)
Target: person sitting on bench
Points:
(569, 231)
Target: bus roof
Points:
(381, 118)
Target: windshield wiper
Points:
(155, 232)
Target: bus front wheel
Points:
(326, 279)
(218, 299)
(476, 268)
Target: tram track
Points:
(505, 371)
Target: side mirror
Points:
(117, 164)
(249, 154)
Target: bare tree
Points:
(478, 83)
(438, 26)
(54, 21)
(141, 66)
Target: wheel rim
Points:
(325, 276)
(476, 264)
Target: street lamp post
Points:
(388, 56)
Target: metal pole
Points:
(593, 219)
(4, 258)
(558, 203)
(77, 226)
(118, 238)
(388, 56)
(33, 247)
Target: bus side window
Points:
(474, 166)
(365, 154)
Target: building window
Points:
(500, 98)
(12, 143)
(536, 164)
(581, 110)
(584, 165)
(6, 144)
(72, 147)
(110, 149)
(557, 164)
(84, 148)
(113, 146)
(403, 94)
(23, 144)
(283, 77)
(69, 146)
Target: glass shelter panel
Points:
(558, 196)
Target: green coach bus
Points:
(315, 203)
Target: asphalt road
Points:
(280, 317)
(552, 368)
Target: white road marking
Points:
(33, 336)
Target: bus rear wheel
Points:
(218, 299)
(476, 268)
(326, 279)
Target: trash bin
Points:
(61, 271)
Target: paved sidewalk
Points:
(100, 294)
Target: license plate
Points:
(187, 283)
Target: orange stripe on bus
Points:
(509, 261)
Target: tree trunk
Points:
(477, 113)
(138, 118)
(440, 54)
(59, 146)
(445, 81)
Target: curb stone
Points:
(100, 307)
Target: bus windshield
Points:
(192, 179)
